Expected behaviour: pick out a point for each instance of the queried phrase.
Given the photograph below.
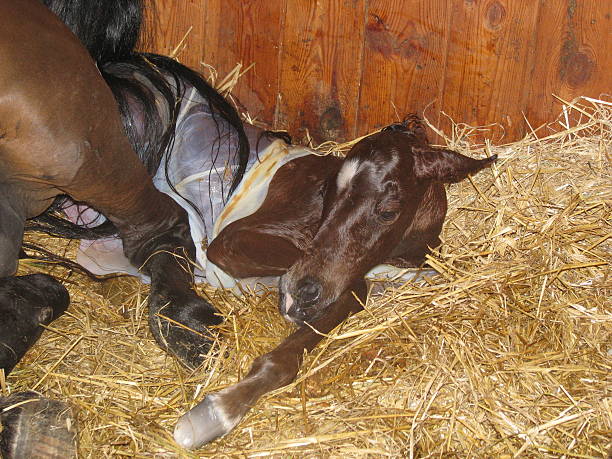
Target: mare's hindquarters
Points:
(62, 134)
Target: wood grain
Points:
(404, 61)
(573, 56)
(247, 32)
(341, 68)
(321, 58)
(490, 55)
(169, 22)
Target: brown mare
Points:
(324, 223)
(62, 134)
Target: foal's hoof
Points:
(204, 423)
(179, 325)
(36, 427)
(26, 302)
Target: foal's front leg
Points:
(220, 412)
(246, 252)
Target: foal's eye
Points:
(388, 216)
(387, 210)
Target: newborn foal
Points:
(324, 224)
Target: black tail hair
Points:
(283, 135)
(45, 256)
(218, 104)
(110, 30)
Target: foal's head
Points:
(368, 207)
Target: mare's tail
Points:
(110, 31)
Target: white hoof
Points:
(202, 424)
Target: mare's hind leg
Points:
(26, 302)
(156, 238)
(62, 134)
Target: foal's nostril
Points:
(309, 290)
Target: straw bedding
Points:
(506, 353)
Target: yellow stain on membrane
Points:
(253, 189)
(249, 196)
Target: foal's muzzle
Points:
(301, 301)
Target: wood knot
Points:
(388, 43)
(331, 123)
(575, 66)
(494, 15)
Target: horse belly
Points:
(49, 87)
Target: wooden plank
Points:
(168, 23)
(345, 67)
(321, 59)
(488, 65)
(404, 61)
(573, 56)
(247, 32)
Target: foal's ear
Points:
(445, 165)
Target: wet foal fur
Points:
(324, 224)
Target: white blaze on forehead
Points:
(347, 172)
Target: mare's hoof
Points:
(36, 427)
(204, 423)
(26, 302)
(179, 326)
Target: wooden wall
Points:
(344, 67)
